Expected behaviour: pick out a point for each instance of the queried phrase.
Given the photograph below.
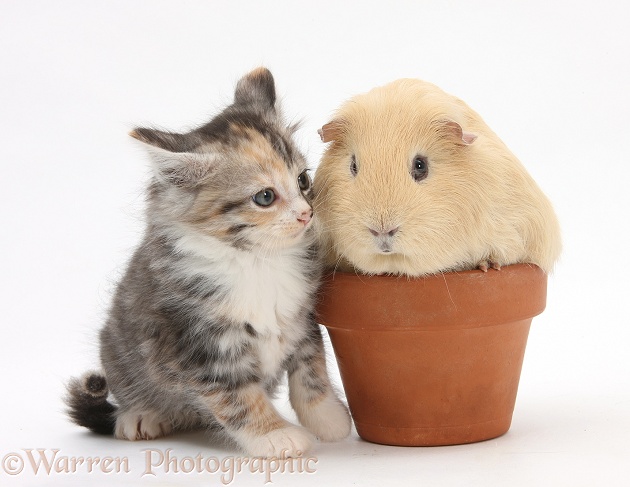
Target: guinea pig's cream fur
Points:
(414, 182)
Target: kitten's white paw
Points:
(145, 425)
(328, 419)
(289, 441)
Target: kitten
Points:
(217, 302)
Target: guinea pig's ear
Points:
(331, 131)
(461, 137)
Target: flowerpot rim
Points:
(451, 300)
(464, 274)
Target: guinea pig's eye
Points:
(264, 197)
(304, 181)
(420, 168)
(353, 166)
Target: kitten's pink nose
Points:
(305, 216)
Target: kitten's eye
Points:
(420, 168)
(304, 181)
(265, 197)
(354, 169)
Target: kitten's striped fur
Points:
(217, 302)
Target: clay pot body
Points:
(433, 360)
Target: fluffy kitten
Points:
(217, 302)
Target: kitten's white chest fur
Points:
(267, 295)
(266, 291)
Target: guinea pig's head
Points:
(390, 190)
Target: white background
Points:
(551, 78)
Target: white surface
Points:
(551, 78)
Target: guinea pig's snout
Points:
(384, 238)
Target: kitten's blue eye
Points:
(304, 181)
(354, 169)
(419, 168)
(265, 197)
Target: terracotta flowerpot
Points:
(433, 360)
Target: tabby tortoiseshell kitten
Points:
(217, 301)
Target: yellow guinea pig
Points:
(414, 182)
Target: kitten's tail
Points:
(88, 405)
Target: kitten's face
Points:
(259, 197)
(239, 178)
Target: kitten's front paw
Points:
(290, 441)
(328, 419)
(146, 425)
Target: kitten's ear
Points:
(169, 141)
(172, 162)
(257, 89)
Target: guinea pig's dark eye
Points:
(353, 166)
(264, 197)
(304, 181)
(420, 168)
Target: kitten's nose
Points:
(305, 216)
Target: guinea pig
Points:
(414, 182)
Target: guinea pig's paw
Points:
(484, 265)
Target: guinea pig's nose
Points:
(384, 233)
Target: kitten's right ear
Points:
(172, 161)
(169, 141)
(258, 89)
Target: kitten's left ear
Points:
(173, 163)
(258, 89)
